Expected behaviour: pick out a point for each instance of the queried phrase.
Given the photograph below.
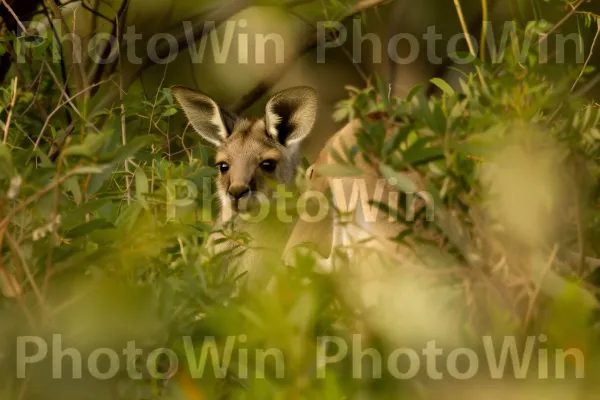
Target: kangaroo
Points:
(378, 227)
(254, 157)
(363, 222)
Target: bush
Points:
(97, 253)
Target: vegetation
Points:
(99, 248)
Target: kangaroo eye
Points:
(223, 167)
(268, 165)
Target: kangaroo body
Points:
(256, 158)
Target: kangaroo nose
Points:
(238, 191)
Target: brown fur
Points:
(323, 236)
(243, 146)
(247, 147)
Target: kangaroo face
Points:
(253, 155)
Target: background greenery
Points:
(508, 151)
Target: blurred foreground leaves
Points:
(105, 245)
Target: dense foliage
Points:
(105, 215)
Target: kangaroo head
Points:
(253, 154)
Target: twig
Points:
(346, 52)
(63, 90)
(218, 14)
(63, 68)
(93, 13)
(588, 57)
(23, 389)
(484, 22)
(119, 24)
(23, 9)
(561, 22)
(19, 298)
(15, 16)
(37, 81)
(67, 11)
(58, 107)
(80, 75)
(18, 290)
(15, 248)
(55, 211)
(398, 10)
(11, 108)
(11, 287)
(538, 286)
(475, 26)
(124, 142)
(49, 68)
(463, 24)
(35, 197)
(122, 98)
(160, 85)
(267, 83)
(587, 87)
(97, 69)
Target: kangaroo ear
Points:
(208, 119)
(290, 114)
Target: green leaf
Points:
(128, 218)
(6, 164)
(72, 185)
(91, 145)
(417, 156)
(77, 150)
(338, 170)
(87, 227)
(98, 179)
(443, 85)
(79, 213)
(394, 143)
(44, 160)
(438, 123)
(91, 169)
(413, 92)
(401, 181)
(341, 113)
(168, 112)
(447, 222)
(129, 150)
(141, 186)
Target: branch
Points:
(97, 70)
(397, 12)
(63, 68)
(217, 15)
(78, 70)
(561, 22)
(35, 197)
(267, 83)
(119, 25)
(11, 14)
(465, 29)
(66, 11)
(476, 27)
(11, 108)
(58, 107)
